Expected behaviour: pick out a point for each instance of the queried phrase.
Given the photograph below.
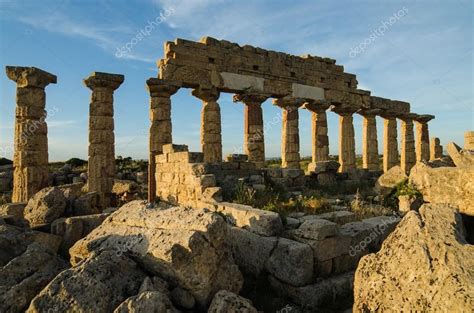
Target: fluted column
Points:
(30, 159)
(370, 149)
(160, 128)
(319, 131)
(436, 149)
(290, 136)
(407, 143)
(211, 138)
(254, 140)
(101, 171)
(423, 138)
(390, 144)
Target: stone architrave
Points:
(254, 140)
(211, 137)
(30, 159)
(390, 144)
(319, 130)
(370, 150)
(436, 149)
(160, 127)
(101, 171)
(290, 137)
(423, 137)
(407, 142)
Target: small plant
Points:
(403, 188)
(273, 207)
(244, 195)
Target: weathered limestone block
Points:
(389, 180)
(250, 250)
(14, 241)
(26, 275)
(211, 138)
(72, 229)
(182, 244)
(426, 249)
(30, 159)
(45, 206)
(148, 301)
(254, 140)
(13, 209)
(445, 185)
(262, 222)
(101, 169)
(461, 158)
(339, 217)
(423, 138)
(370, 150)
(291, 262)
(390, 145)
(407, 155)
(290, 137)
(96, 285)
(332, 294)
(469, 140)
(436, 149)
(347, 157)
(225, 301)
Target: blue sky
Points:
(425, 57)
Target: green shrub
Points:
(244, 195)
(76, 162)
(403, 188)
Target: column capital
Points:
(344, 110)
(424, 118)
(206, 94)
(288, 102)
(316, 106)
(389, 115)
(105, 80)
(161, 87)
(250, 99)
(407, 116)
(30, 76)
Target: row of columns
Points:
(254, 147)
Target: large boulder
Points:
(389, 180)
(45, 206)
(25, 276)
(226, 301)
(184, 245)
(461, 158)
(445, 185)
(98, 284)
(425, 264)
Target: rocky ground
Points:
(60, 253)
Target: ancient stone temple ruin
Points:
(211, 67)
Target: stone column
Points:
(254, 140)
(390, 144)
(319, 131)
(211, 138)
(290, 137)
(347, 156)
(160, 127)
(469, 140)
(370, 149)
(436, 149)
(101, 171)
(407, 142)
(30, 159)
(423, 138)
